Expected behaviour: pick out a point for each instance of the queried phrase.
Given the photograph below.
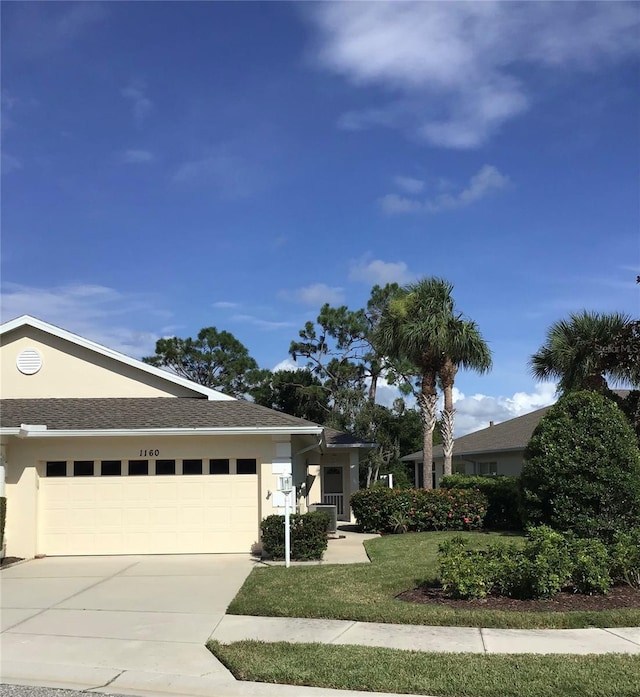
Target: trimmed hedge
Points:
(3, 516)
(418, 510)
(308, 535)
(503, 496)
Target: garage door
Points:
(147, 515)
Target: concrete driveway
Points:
(99, 616)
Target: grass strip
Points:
(367, 592)
(440, 674)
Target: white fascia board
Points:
(120, 433)
(351, 445)
(27, 320)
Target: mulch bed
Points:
(618, 597)
(5, 561)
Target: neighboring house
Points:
(494, 450)
(104, 454)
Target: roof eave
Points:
(201, 431)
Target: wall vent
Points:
(29, 361)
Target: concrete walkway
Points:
(426, 638)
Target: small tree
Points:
(582, 468)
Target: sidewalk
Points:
(427, 638)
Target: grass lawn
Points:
(366, 592)
(452, 675)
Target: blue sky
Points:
(169, 166)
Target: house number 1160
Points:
(150, 453)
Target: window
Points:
(459, 468)
(57, 468)
(138, 467)
(83, 468)
(111, 468)
(487, 469)
(165, 466)
(192, 467)
(246, 466)
(218, 466)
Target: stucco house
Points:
(497, 449)
(103, 454)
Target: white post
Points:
(285, 485)
(287, 531)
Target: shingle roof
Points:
(141, 413)
(336, 438)
(509, 435)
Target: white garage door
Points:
(148, 515)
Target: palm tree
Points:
(572, 352)
(419, 325)
(465, 348)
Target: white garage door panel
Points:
(148, 515)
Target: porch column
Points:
(354, 481)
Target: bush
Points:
(590, 562)
(624, 558)
(549, 560)
(582, 469)
(308, 535)
(381, 509)
(503, 498)
(3, 516)
(547, 563)
(463, 572)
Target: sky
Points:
(175, 165)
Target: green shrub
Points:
(463, 572)
(548, 562)
(590, 567)
(582, 469)
(380, 509)
(308, 536)
(3, 516)
(503, 498)
(624, 558)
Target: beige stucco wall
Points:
(69, 370)
(26, 458)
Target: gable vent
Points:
(29, 361)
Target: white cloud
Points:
(395, 203)
(486, 181)
(224, 305)
(376, 271)
(453, 70)
(317, 294)
(476, 411)
(135, 157)
(409, 184)
(261, 323)
(95, 312)
(231, 176)
(287, 364)
(141, 105)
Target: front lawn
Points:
(367, 592)
(446, 675)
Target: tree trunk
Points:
(447, 377)
(427, 400)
